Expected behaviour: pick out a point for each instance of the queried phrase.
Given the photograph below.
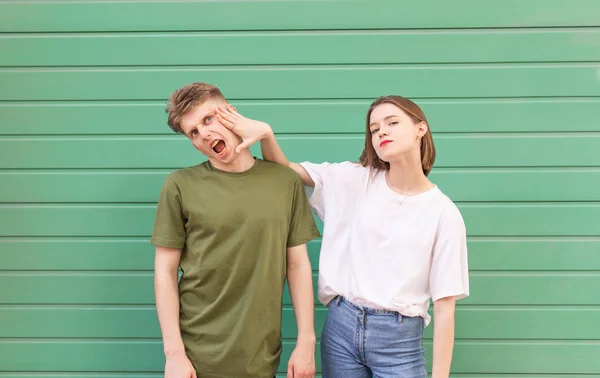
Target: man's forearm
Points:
(167, 307)
(443, 338)
(301, 292)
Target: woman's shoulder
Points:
(449, 210)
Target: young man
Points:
(237, 227)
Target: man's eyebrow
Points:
(202, 119)
(187, 132)
(208, 114)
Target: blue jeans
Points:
(363, 342)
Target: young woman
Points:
(392, 242)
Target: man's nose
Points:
(205, 132)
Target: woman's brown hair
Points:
(369, 157)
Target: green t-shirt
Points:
(233, 229)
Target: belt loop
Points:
(399, 318)
(338, 300)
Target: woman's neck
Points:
(407, 178)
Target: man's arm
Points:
(443, 336)
(166, 265)
(299, 276)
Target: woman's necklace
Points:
(417, 191)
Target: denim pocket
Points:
(410, 327)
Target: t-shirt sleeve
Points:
(320, 174)
(169, 224)
(302, 224)
(449, 275)
(331, 177)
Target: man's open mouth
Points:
(218, 146)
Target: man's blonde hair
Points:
(187, 97)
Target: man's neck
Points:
(243, 162)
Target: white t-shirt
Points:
(384, 250)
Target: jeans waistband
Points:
(363, 308)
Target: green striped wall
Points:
(511, 90)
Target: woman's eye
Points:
(374, 131)
(207, 119)
(394, 123)
(194, 132)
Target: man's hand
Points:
(302, 361)
(179, 366)
(249, 130)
